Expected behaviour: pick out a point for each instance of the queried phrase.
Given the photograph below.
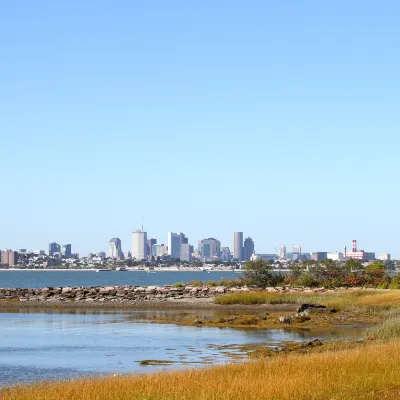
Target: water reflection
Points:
(59, 344)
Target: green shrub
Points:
(178, 285)
(307, 280)
(395, 282)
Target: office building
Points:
(101, 254)
(9, 257)
(66, 250)
(54, 248)
(282, 251)
(248, 249)
(335, 256)
(186, 253)
(150, 243)
(265, 257)
(226, 255)
(159, 250)
(238, 246)
(319, 256)
(115, 249)
(175, 240)
(210, 249)
(139, 245)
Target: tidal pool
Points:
(55, 345)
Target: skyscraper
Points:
(54, 248)
(175, 240)
(150, 243)
(139, 245)
(209, 248)
(282, 251)
(297, 249)
(238, 246)
(248, 249)
(186, 254)
(115, 250)
(66, 250)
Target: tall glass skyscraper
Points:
(238, 246)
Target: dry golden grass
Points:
(339, 300)
(365, 372)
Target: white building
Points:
(238, 246)
(159, 250)
(139, 245)
(335, 256)
(384, 257)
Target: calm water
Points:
(55, 345)
(39, 279)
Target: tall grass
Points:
(364, 372)
(389, 329)
(339, 300)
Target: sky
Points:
(276, 118)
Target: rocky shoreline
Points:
(133, 294)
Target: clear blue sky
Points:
(276, 118)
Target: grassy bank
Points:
(368, 372)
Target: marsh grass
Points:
(389, 329)
(362, 372)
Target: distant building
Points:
(226, 254)
(384, 257)
(115, 249)
(66, 250)
(22, 251)
(101, 254)
(139, 245)
(335, 256)
(356, 254)
(54, 248)
(297, 249)
(150, 243)
(282, 251)
(9, 257)
(238, 246)
(186, 254)
(175, 240)
(319, 256)
(264, 257)
(209, 249)
(159, 250)
(248, 249)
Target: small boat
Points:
(121, 269)
(103, 270)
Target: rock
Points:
(66, 290)
(285, 320)
(231, 319)
(301, 317)
(197, 322)
(314, 307)
(313, 343)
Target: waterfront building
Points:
(248, 249)
(238, 246)
(175, 240)
(115, 249)
(159, 250)
(150, 243)
(282, 251)
(54, 248)
(66, 250)
(210, 249)
(186, 253)
(139, 245)
(9, 257)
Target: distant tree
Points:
(376, 268)
(259, 273)
(353, 265)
